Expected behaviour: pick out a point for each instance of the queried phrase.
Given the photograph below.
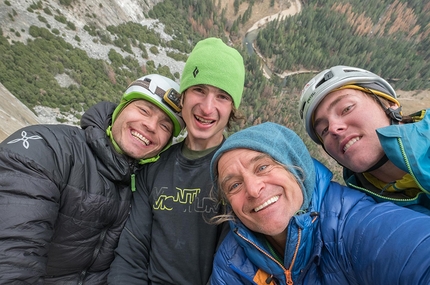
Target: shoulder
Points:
(166, 157)
(230, 252)
(324, 175)
(43, 135)
(98, 115)
(43, 144)
(340, 198)
(165, 164)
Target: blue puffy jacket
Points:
(408, 147)
(344, 238)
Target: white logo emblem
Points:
(25, 139)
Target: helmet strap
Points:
(394, 114)
(381, 162)
(395, 117)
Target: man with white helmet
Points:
(65, 192)
(356, 117)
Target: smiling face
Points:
(262, 193)
(142, 129)
(206, 111)
(346, 121)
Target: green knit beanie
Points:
(214, 63)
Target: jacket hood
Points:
(408, 147)
(98, 116)
(95, 121)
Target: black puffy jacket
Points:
(64, 198)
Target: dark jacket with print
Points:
(167, 239)
(64, 198)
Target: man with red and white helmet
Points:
(65, 191)
(356, 117)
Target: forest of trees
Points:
(328, 33)
(364, 33)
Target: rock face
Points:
(13, 114)
(100, 13)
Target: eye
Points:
(224, 97)
(231, 188)
(144, 110)
(198, 89)
(324, 132)
(261, 168)
(347, 109)
(265, 167)
(166, 127)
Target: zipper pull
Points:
(133, 183)
(269, 279)
(289, 278)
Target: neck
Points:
(388, 172)
(278, 242)
(197, 144)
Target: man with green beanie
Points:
(65, 191)
(167, 239)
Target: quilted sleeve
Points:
(28, 211)
(388, 244)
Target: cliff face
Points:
(16, 16)
(13, 114)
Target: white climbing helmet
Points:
(335, 78)
(160, 91)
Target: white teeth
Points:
(203, 120)
(140, 137)
(267, 203)
(350, 143)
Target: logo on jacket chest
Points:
(182, 200)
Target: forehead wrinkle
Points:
(253, 160)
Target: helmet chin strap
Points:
(395, 117)
(380, 162)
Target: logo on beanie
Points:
(195, 72)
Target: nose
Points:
(254, 185)
(336, 127)
(151, 124)
(208, 104)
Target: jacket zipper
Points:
(402, 149)
(287, 272)
(83, 273)
(408, 165)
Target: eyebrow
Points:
(205, 86)
(330, 107)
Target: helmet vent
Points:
(350, 70)
(327, 76)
